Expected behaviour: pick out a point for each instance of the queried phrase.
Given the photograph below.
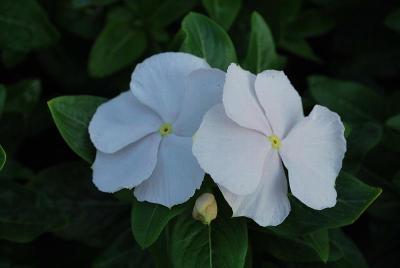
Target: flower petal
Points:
(268, 205)
(176, 176)
(281, 102)
(204, 90)
(313, 153)
(127, 167)
(240, 102)
(159, 82)
(233, 155)
(121, 121)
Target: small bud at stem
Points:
(205, 208)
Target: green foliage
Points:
(223, 243)
(72, 115)
(149, 220)
(206, 39)
(117, 46)
(24, 26)
(340, 54)
(223, 11)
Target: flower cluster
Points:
(241, 127)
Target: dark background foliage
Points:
(343, 54)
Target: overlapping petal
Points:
(268, 205)
(313, 153)
(176, 176)
(127, 167)
(234, 156)
(204, 89)
(121, 121)
(240, 102)
(159, 82)
(281, 102)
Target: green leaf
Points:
(3, 95)
(3, 157)
(223, 11)
(24, 26)
(311, 23)
(123, 253)
(12, 58)
(363, 138)
(393, 20)
(23, 97)
(299, 47)
(353, 101)
(117, 46)
(222, 244)
(72, 115)
(312, 247)
(93, 217)
(394, 122)
(354, 197)
(88, 3)
(169, 11)
(148, 220)
(25, 213)
(206, 39)
(261, 52)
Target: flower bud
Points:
(205, 209)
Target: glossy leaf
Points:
(394, 122)
(72, 115)
(24, 26)
(261, 52)
(3, 157)
(148, 220)
(351, 100)
(208, 40)
(354, 197)
(93, 217)
(223, 244)
(223, 11)
(116, 47)
(300, 47)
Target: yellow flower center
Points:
(275, 142)
(165, 129)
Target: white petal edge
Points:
(233, 155)
(268, 205)
(121, 121)
(204, 89)
(281, 102)
(128, 167)
(240, 102)
(313, 153)
(176, 176)
(159, 81)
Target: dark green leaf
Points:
(24, 26)
(319, 241)
(123, 253)
(311, 23)
(351, 100)
(261, 52)
(72, 115)
(363, 138)
(3, 95)
(117, 46)
(208, 40)
(223, 11)
(93, 217)
(23, 97)
(354, 197)
(393, 20)
(300, 47)
(3, 157)
(88, 3)
(148, 220)
(222, 244)
(169, 11)
(26, 213)
(12, 58)
(394, 122)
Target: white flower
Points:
(144, 137)
(241, 143)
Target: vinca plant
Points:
(199, 133)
